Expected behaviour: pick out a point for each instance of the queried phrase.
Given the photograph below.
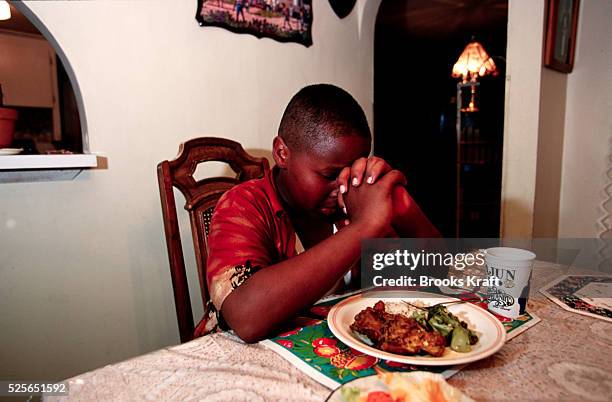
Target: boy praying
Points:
(279, 243)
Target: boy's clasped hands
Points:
(367, 193)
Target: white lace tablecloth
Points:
(565, 357)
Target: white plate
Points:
(420, 379)
(10, 151)
(491, 332)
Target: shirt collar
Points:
(272, 191)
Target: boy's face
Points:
(309, 176)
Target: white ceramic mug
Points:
(510, 271)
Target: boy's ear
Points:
(280, 152)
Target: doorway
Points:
(416, 45)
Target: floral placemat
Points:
(312, 348)
(589, 295)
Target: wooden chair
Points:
(200, 199)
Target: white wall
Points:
(84, 277)
(521, 119)
(558, 128)
(587, 148)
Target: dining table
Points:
(565, 357)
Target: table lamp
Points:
(473, 62)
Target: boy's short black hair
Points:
(321, 109)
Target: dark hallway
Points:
(416, 44)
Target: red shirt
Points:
(249, 230)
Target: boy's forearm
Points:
(408, 219)
(275, 294)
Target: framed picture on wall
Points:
(281, 20)
(561, 29)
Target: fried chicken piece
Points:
(370, 322)
(405, 336)
(434, 343)
(397, 333)
(402, 335)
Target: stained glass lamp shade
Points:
(473, 62)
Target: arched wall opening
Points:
(40, 83)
